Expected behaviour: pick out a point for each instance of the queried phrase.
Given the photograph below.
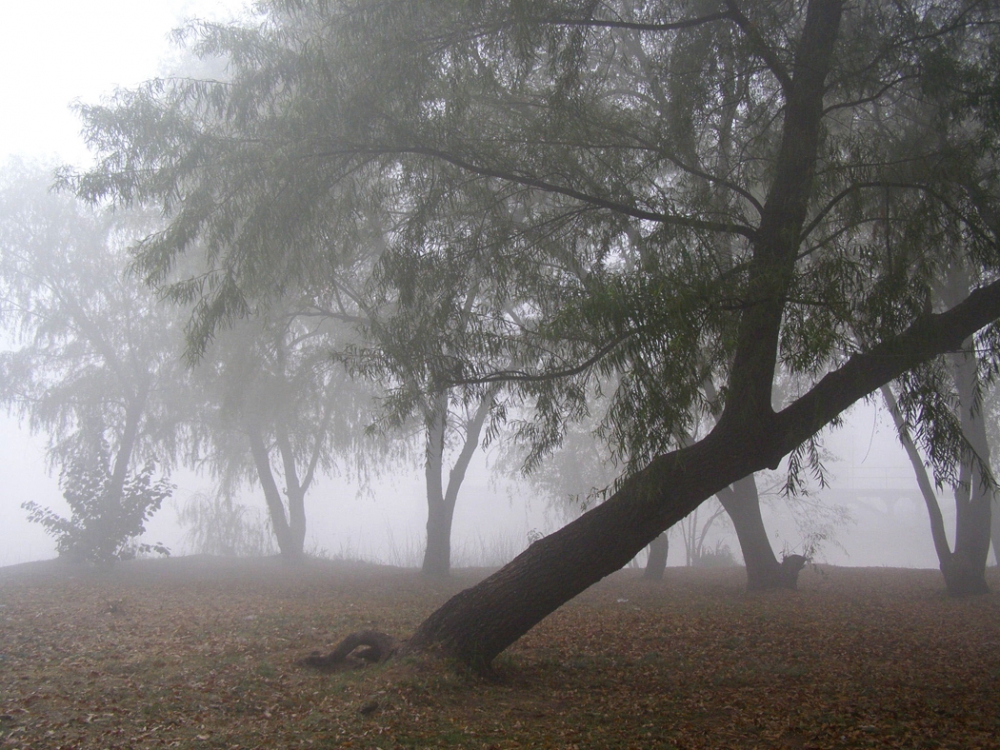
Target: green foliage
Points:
(104, 523)
(562, 198)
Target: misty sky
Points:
(54, 52)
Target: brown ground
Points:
(201, 653)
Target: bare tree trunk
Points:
(656, 564)
(111, 509)
(995, 530)
(960, 576)
(440, 500)
(437, 554)
(742, 503)
(290, 549)
(974, 493)
(296, 494)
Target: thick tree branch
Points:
(865, 372)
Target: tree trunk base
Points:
(962, 579)
(777, 576)
(376, 647)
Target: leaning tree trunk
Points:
(480, 622)
(477, 624)
(656, 563)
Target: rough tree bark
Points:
(477, 624)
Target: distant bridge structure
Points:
(885, 489)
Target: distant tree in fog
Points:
(95, 363)
(276, 411)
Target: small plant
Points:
(104, 524)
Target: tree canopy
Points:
(660, 191)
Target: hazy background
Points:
(52, 53)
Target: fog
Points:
(868, 472)
(64, 51)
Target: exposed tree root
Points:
(376, 647)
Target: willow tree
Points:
(94, 362)
(667, 191)
(276, 412)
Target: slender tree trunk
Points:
(441, 501)
(742, 503)
(437, 554)
(296, 493)
(974, 494)
(959, 576)
(272, 496)
(111, 509)
(656, 563)
(995, 530)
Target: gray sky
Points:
(54, 52)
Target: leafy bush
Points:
(100, 528)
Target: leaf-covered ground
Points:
(201, 653)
